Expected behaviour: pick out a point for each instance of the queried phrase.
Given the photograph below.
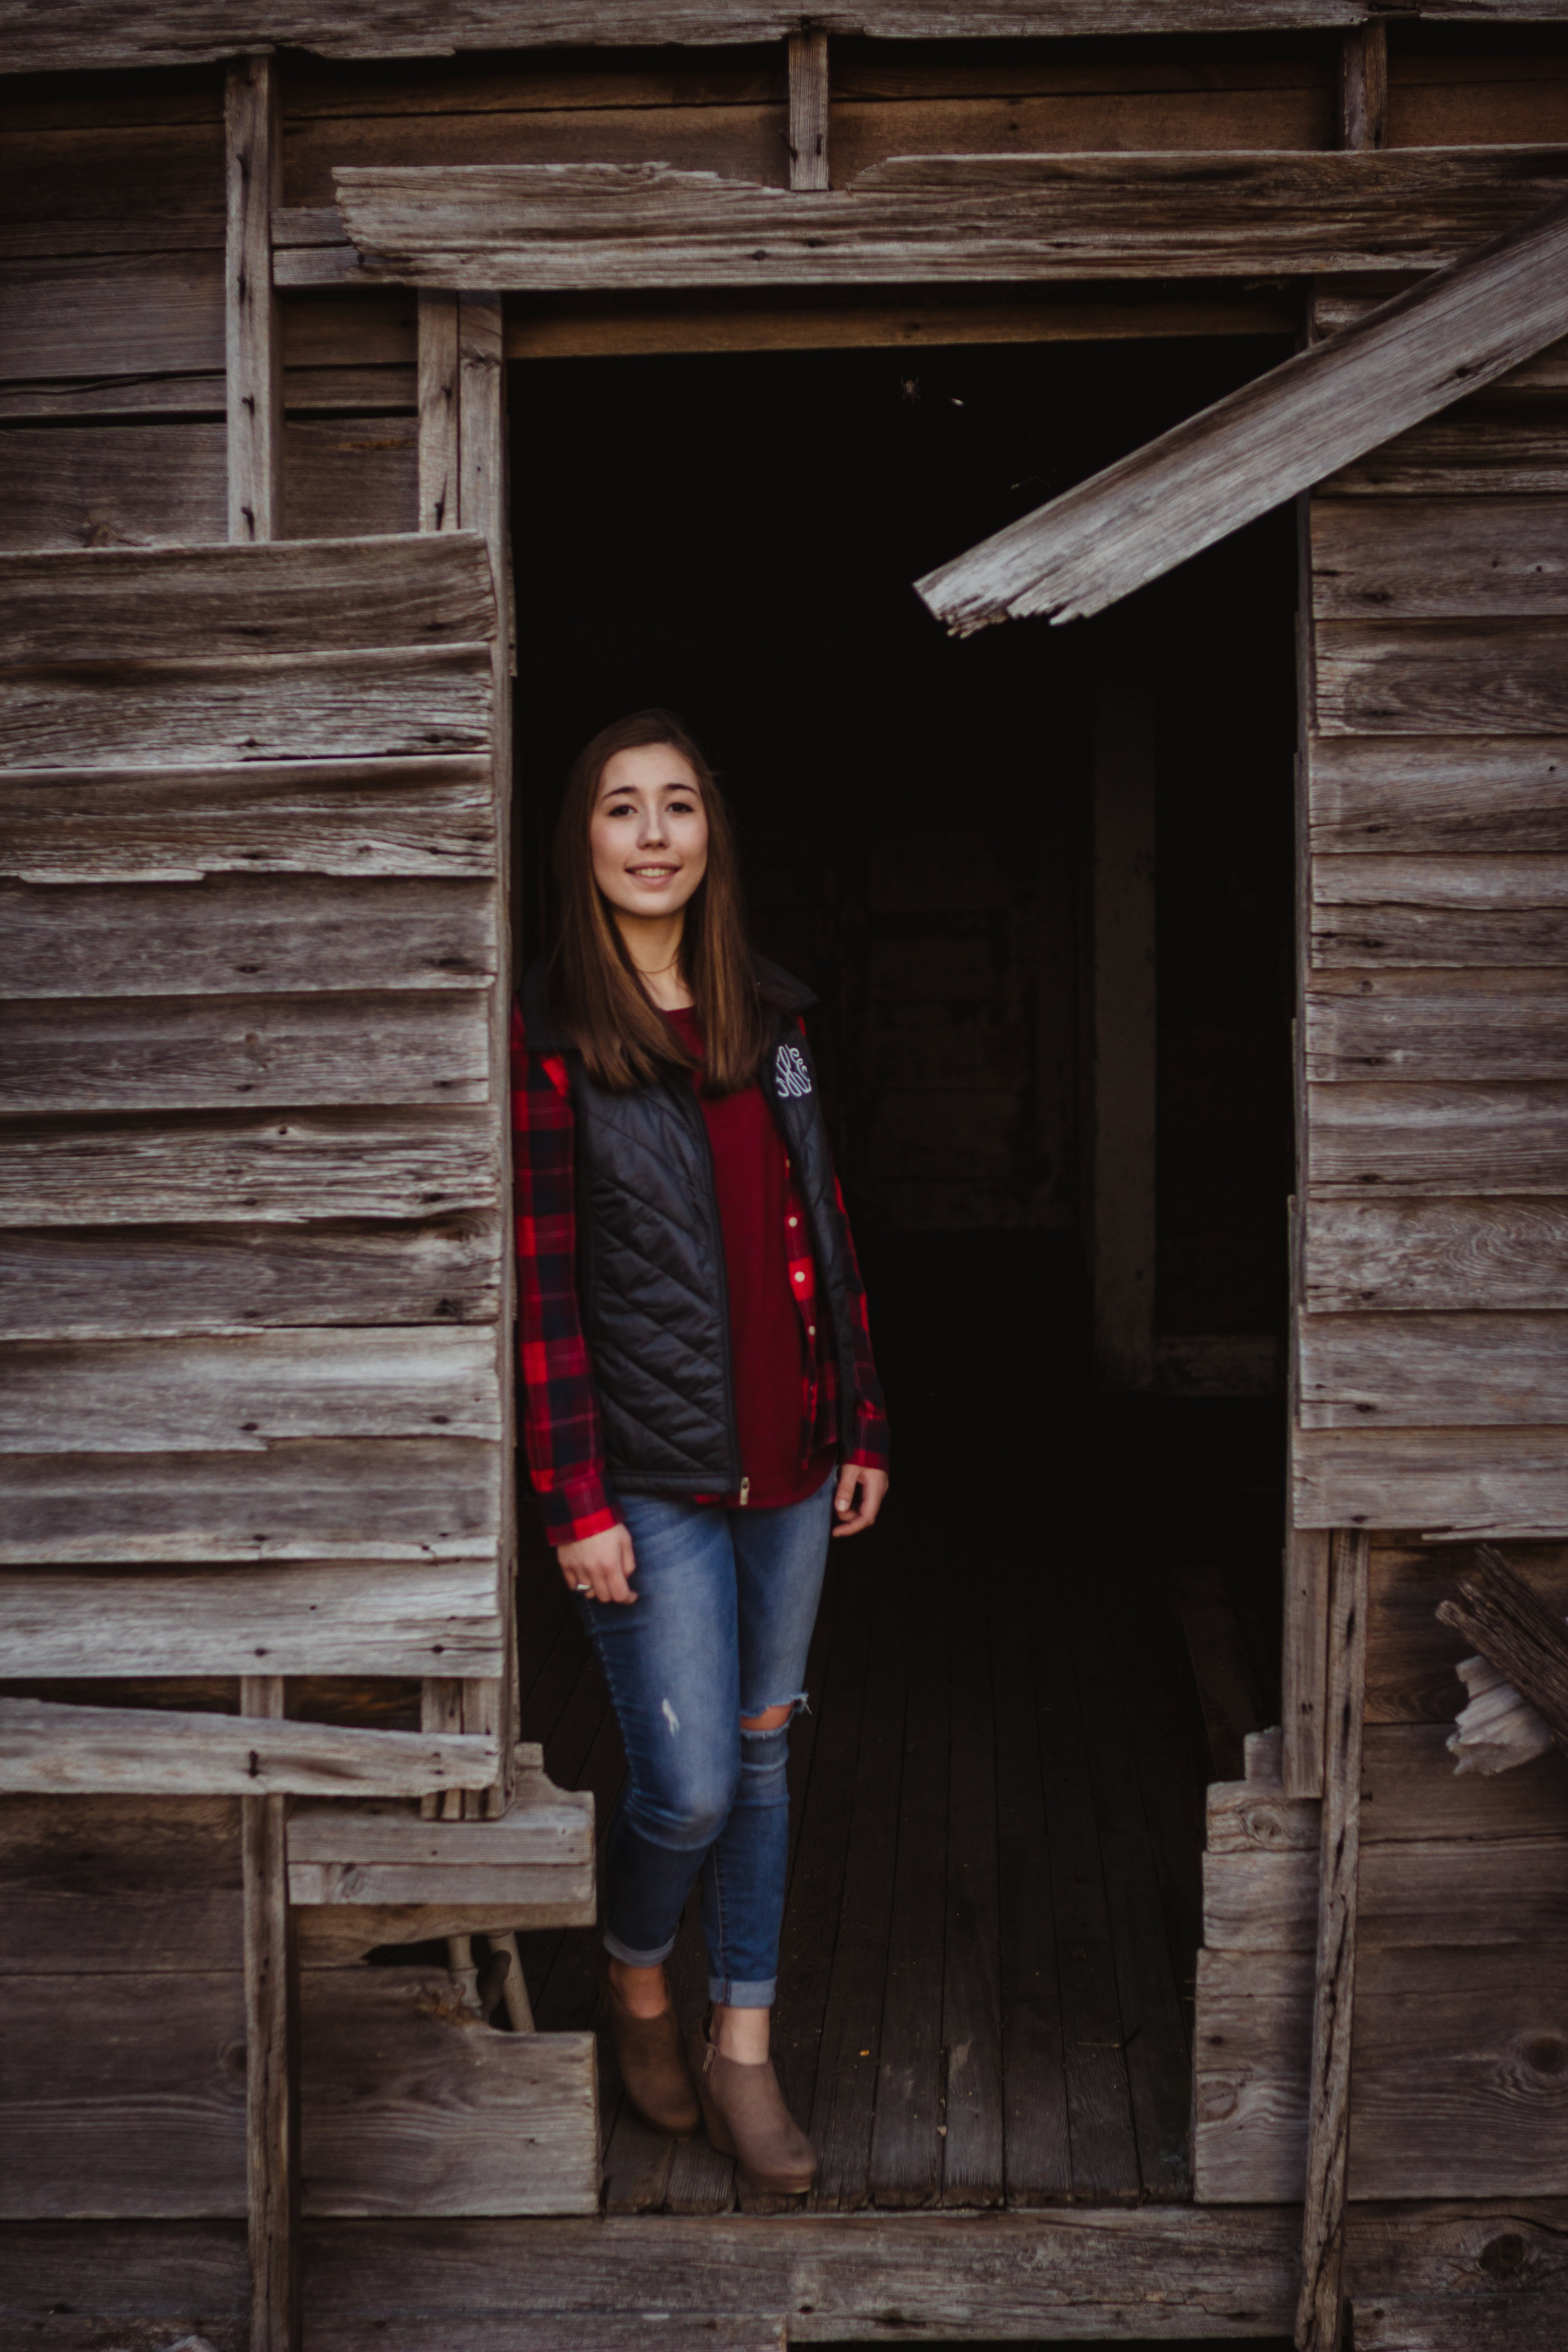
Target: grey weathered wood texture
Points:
(287, 994)
(1331, 402)
(808, 108)
(335, 1617)
(140, 32)
(936, 218)
(1431, 1248)
(1318, 2308)
(60, 1749)
(253, 372)
(271, 2055)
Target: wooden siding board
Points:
(118, 1282)
(209, 1394)
(59, 1750)
(332, 1163)
(239, 935)
(1430, 795)
(1414, 1256)
(307, 598)
(1456, 1483)
(336, 1617)
(175, 1052)
(425, 818)
(1420, 1139)
(343, 1499)
(1489, 1027)
(925, 218)
(1486, 678)
(372, 705)
(1431, 1370)
(1428, 558)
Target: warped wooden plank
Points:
(252, 378)
(215, 1394)
(144, 313)
(85, 1750)
(1277, 435)
(139, 32)
(361, 706)
(113, 1282)
(425, 818)
(336, 1617)
(124, 2094)
(1470, 1483)
(1419, 1257)
(145, 1883)
(1489, 678)
(1467, 2322)
(1452, 883)
(112, 484)
(1455, 1893)
(555, 1831)
(336, 1934)
(1483, 1138)
(1502, 444)
(932, 219)
(242, 1171)
(341, 1498)
(1441, 1031)
(312, 596)
(1415, 938)
(1458, 2074)
(1431, 1369)
(178, 1053)
(1427, 795)
(520, 1887)
(411, 2105)
(246, 933)
(1416, 558)
(1119, 2271)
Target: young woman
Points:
(702, 1406)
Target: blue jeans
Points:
(726, 1601)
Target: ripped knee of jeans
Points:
(772, 1719)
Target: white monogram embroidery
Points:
(791, 1072)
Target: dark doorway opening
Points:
(1070, 1617)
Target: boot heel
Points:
(719, 2137)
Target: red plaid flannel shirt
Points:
(561, 1408)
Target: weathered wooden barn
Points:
(388, 395)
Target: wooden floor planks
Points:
(985, 1973)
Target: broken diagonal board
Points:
(1206, 477)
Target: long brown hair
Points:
(600, 999)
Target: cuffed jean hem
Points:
(731, 1995)
(630, 1960)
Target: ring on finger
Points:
(583, 1587)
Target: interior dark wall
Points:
(736, 536)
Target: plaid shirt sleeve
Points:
(560, 1408)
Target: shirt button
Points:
(800, 1277)
(811, 1330)
(794, 1220)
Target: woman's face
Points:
(648, 834)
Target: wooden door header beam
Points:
(1276, 436)
(63, 35)
(935, 219)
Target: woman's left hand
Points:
(852, 1512)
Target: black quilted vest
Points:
(650, 1254)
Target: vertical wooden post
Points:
(271, 2102)
(253, 353)
(808, 108)
(1122, 1249)
(438, 443)
(254, 379)
(1363, 85)
(491, 1707)
(1320, 2312)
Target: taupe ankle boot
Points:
(653, 2071)
(746, 2117)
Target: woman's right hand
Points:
(605, 1563)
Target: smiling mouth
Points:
(650, 873)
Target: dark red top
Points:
(767, 1342)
